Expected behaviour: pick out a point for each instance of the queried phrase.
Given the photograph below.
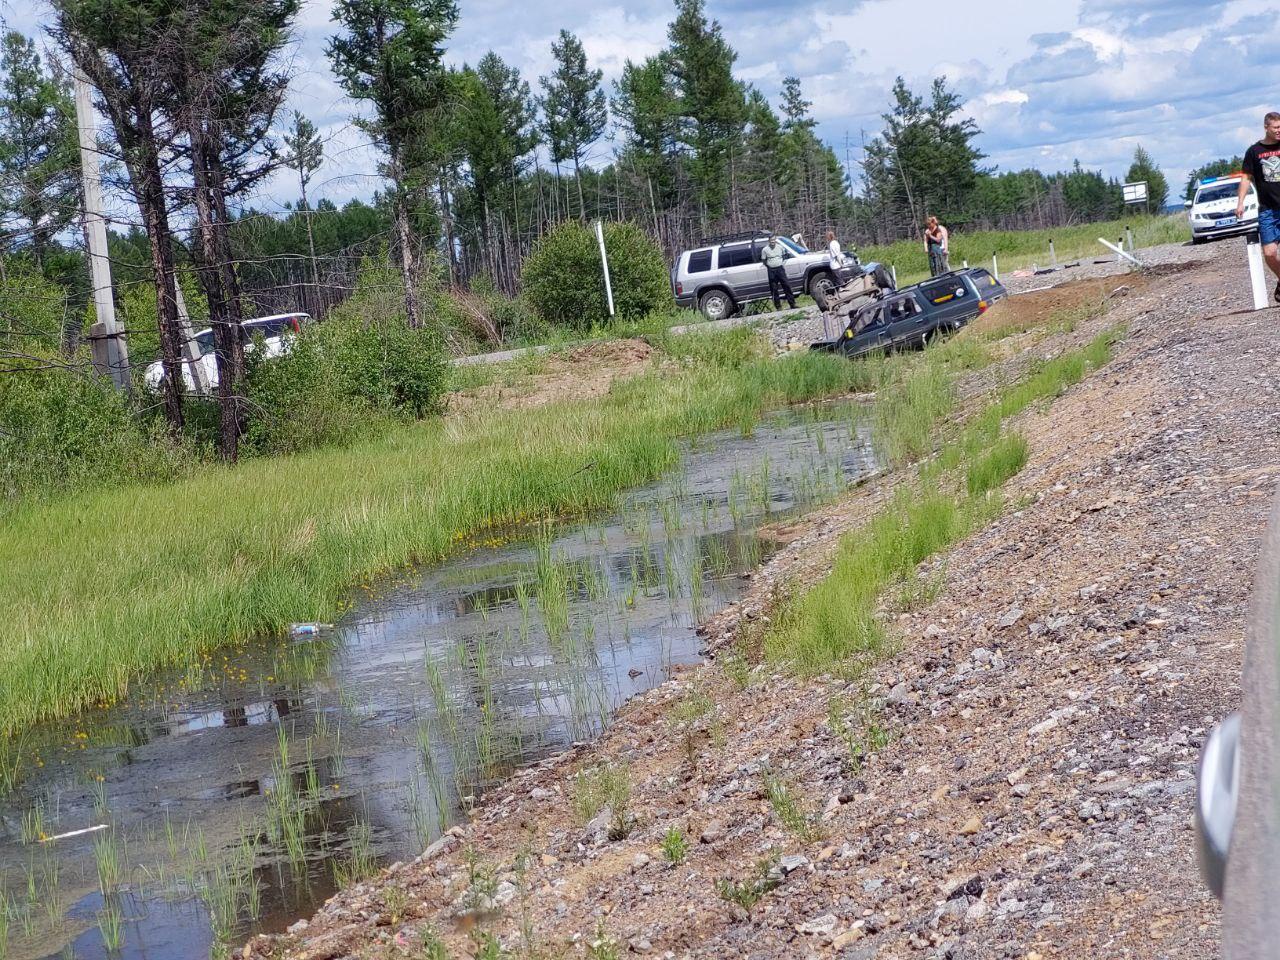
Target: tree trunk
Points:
(408, 261)
(311, 250)
(228, 348)
(577, 177)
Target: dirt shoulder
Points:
(1044, 713)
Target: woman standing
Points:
(936, 240)
(834, 253)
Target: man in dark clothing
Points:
(1262, 169)
(774, 254)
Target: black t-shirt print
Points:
(1262, 163)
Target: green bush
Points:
(349, 376)
(562, 279)
(62, 427)
(33, 310)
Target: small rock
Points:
(640, 945)
(641, 860)
(792, 862)
(298, 927)
(1009, 618)
(970, 827)
(822, 926)
(851, 935)
(712, 832)
(541, 793)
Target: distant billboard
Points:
(1135, 192)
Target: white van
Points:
(1212, 211)
(275, 332)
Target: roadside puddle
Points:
(237, 797)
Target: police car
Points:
(1212, 211)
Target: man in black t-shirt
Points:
(1262, 168)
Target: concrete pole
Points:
(106, 339)
(1257, 272)
(190, 349)
(604, 260)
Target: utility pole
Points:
(107, 340)
(190, 349)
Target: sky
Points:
(1047, 83)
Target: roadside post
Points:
(1128, 235)
(966, 264)
(1053, 256)
(893, 272)
(604, 263)
(1257, 272)
(995, 267)
(1119, 251)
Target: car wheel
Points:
(821, 286)
(716, 305)
(883, 278)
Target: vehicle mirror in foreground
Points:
(1216, 800)
(1187, 204)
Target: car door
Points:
(908, 322)
(739, 268)
(869, 332)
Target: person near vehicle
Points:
(774, 254)
(834, 251)
(1262, 169)
(936, 242)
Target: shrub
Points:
(349, 376)
(562, 279)
(33, 311)
(62, 427)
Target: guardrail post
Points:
(1257, 272)
(1053, 256)
(995, 267)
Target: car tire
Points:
(821, 285)
(716, 305)
(883, 278)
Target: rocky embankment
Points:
(1030, 745)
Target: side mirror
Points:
(1216, 791)
(1186, 204)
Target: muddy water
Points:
(238, 796)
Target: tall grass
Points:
(834, 624)
(98, 589)
(1022, 248)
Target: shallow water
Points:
(235, 798)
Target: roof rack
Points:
(731, 237)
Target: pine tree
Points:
(574, 107)
(39, 189)
(645, 111)
(305, 156)
(1144, 168)
(712, 103)
(391, 57)
(496, 132)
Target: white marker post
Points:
(1257, 271)
(893, 272)
(966, 264)
(995, 267)
(1128, 235)
(604, 261)
(1053, 256)
(1119, 251)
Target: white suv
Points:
(1212, 211)
(275, 332)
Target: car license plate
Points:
(1227, 222)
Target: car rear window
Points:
(700, 261)
(944, 291)
(737, 256)
(982, 278)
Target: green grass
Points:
(101, 588)
(834, 626)
(1017, 249)
(598, 787)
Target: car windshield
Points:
(1219, 191)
